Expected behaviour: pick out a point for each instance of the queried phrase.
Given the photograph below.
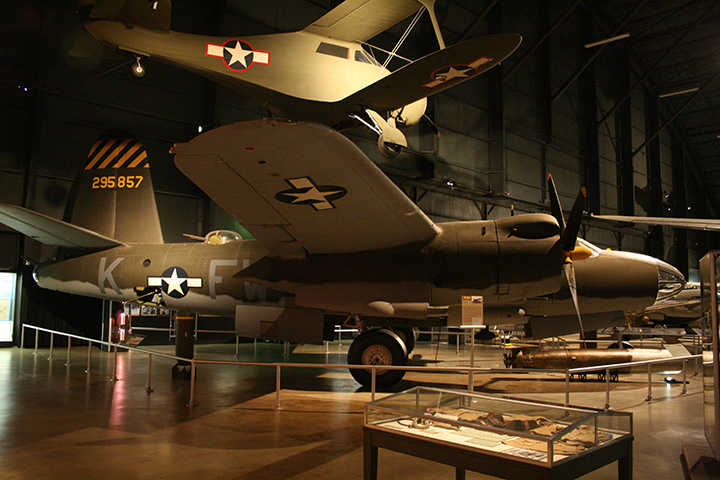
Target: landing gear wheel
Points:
(377, 347)
(408, 336)
(388, 150)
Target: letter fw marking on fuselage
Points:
(105, 274)
(214, 279)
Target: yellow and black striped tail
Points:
(114, 151)
(115, 196)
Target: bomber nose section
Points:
(670, 280)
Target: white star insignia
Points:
(239, 55)
(174, 283)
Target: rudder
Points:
(115, 196)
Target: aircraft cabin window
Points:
(334, 50)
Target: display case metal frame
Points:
(381, 431)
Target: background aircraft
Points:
(321, 73)
(334, 236)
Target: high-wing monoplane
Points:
(321, 73)
(333, 237)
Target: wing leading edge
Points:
(690, 223)
(361, 20)
(302, 188)
(50, 231)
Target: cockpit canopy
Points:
(221, 237)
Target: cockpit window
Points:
(334, 50)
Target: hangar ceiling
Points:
(675, 50)
(671, 48)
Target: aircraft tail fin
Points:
(115, 196)
(152, 14)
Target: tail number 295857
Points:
(122, 181)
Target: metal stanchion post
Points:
(649, 397)
(52, 339)
(277, 387)
(373, 375)
(87, 370)
(37, 336)
(149, 389)
(607, 389)
(22, 337)
(237, 346)
(114, 375)
(192, 384)
(471, 373)
(67, 359)
(684, 390)
(567, 387)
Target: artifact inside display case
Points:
(522, 430)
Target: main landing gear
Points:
(381, 347)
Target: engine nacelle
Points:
(410, 114)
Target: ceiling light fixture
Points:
(679, 92)
(607, 40)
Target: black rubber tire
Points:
(408, 336)
(377, 347)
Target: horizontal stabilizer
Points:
(435, 72)
(690, 223)
(50, 231)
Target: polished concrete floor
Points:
(59, 422)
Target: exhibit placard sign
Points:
(472, 311)
(709, 274)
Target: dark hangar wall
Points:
(501, 133)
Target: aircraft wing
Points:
(435, 72)
(691, 223)
(361, 20)
(302, 188)
(50, 231)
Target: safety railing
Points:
(608, 369)
(278, 366)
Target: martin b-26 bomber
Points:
(333, 236)
(321, 73)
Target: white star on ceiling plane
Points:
(238, 55)
(450, 72)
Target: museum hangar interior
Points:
(632, 120)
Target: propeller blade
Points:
(569, 236)
(555, 207)
(569, 270)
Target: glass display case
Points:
(527, 432)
